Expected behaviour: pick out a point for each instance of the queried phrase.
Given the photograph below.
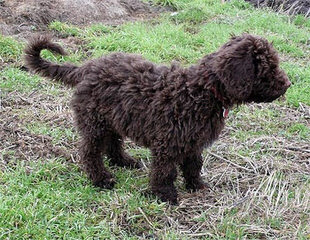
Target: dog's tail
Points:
(66, 73)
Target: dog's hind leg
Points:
(117, 155)
(92, 149)
(91, 159)
(162, 176)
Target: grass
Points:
(10, 50)
(57, 134)
(258, 172)
(49, 200)
(16, 79)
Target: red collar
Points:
(225, 112)
(221, 99)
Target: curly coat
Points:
(172, 110)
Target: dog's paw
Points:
(169, 195)
(196, 186)
(173, 200)
(106, 183)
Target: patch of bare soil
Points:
(17, 16)
(292, 7)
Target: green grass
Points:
(66, 29)
(15, 79)
(10, 49)
(192, 15)
(300, 77)
(52, 199)
(302, 21)
(140, 38)
(58, 134)
(301, 129)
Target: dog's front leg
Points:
(191, 168)
(162, 176)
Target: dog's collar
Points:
(222, 100)
(225, 112)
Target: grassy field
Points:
(258, 172)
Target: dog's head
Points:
(248, 67)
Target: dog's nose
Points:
(288, 83)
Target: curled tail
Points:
(66, 73)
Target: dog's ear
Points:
(235, 68)
(264, 56)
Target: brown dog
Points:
(172, 110)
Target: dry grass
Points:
(291, 7)
(261, 180)
(19, 112)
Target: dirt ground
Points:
(19, 17)
(290, 6)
